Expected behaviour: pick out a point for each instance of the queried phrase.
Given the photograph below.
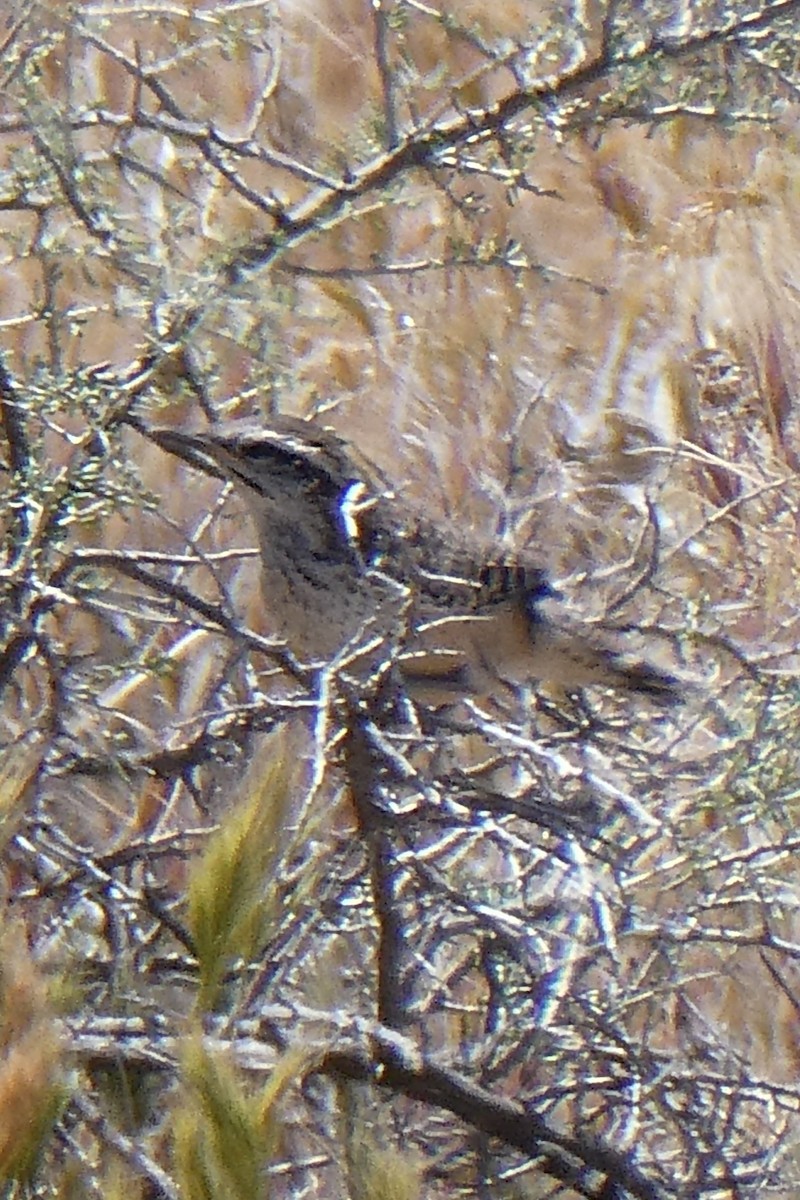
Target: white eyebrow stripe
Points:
(354, 501)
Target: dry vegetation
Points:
(539, 264)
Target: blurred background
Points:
(538, 264)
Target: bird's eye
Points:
(273, 452)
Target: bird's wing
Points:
(506, 647)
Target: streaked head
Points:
(266, 459)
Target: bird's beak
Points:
(193, 450)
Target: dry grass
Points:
(618, 405)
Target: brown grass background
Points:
(654, 308)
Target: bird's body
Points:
(350, 572)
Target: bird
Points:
(352, 574)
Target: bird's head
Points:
(288, 454)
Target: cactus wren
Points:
(348, 571)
